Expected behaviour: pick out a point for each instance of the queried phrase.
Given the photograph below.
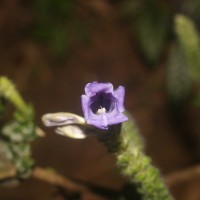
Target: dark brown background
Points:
(110, 56)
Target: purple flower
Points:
(102, 106)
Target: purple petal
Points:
(104, 120)
(85, 106)
(117, 119)
(92, 88)
(119, 95)
(99, 121)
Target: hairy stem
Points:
(138, 167)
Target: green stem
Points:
(137, 166)
(8, 91)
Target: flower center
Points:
(101, 110)
(102, 103)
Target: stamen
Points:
(101, 110)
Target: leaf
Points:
(7, 168)
(178, 77)
(152, 25)
(189, 42)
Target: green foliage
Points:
(183, 67)
(188, 39)
(53, 10)
(2, 107)
(5, 160)
(21, 157)
(151, 24)
(9, 92)
(192, 9)
(137, 166)
(20, 132)
(56, 25)
(178, 77)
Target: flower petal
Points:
(119, 95)
(85, 106)
(92, 88)
(99, 121)
(117, 119)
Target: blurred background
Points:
(51, 49)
